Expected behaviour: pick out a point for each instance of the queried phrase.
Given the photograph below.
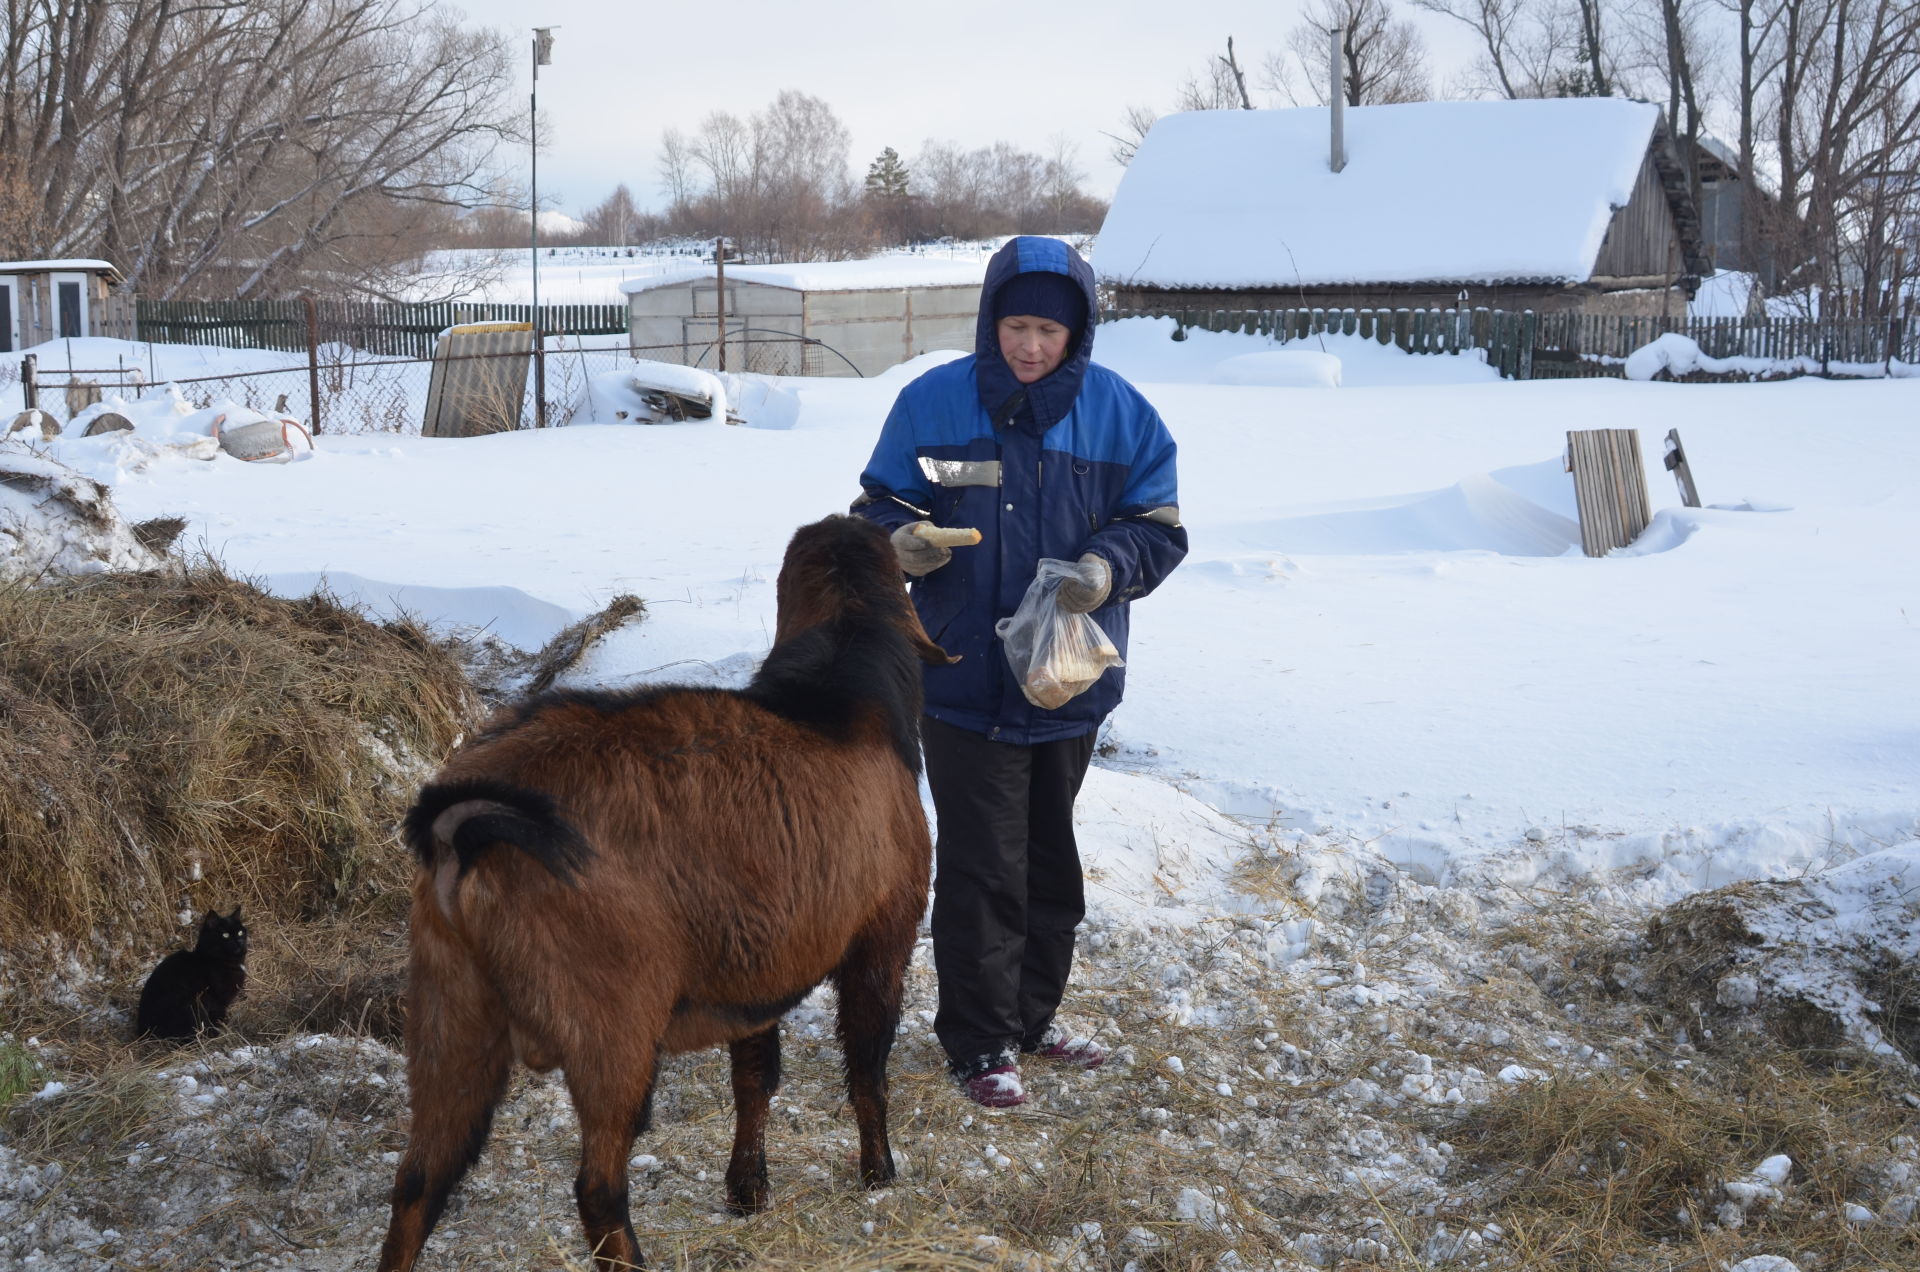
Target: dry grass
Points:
(1628, 1170)
(183, 740)
(19, 1073)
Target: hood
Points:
(1042, 404)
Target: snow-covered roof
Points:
(882, 273)
(1432, 192)
(43, 267)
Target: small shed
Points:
(45, 300)
(1553, 205)
(832, 318)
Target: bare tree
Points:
(1134, 129)
(1002, 189)
(1220, 85)
(1060, 190)
(249, 148)
(1526, 46)
(803, 180)
(1386, 57)
(615, 221)
(676, 171)
(1846, 109)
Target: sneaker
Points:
(994, 1083)
(1057, 1044)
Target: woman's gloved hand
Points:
(1080, 598)
(917, 556)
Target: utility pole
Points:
(542, 56)
(720, 297)
(1337, 98)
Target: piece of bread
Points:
(947, 536)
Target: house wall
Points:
(1642, 240)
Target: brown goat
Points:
(606, 878)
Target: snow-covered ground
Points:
(1386, 683)
(1386, 630)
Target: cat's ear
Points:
(235, 916)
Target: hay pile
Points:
(175, 740)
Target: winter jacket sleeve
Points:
(893, 491)
(1144, 540)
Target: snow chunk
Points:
(1283, 368)
(53, 520)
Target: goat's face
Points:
(842, 565)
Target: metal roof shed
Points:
(833, 318)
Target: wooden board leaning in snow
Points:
(1610, 485)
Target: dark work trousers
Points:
(1007, 890)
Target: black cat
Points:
(191, 990)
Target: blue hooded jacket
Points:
(1076, 462)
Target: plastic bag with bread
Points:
(1055, 655)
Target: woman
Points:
(1046, 455)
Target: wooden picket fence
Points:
(1524, 345)
(389, 330)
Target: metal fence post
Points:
(29, 385)
(313, 364)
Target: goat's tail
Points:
(457, 822)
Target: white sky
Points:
(896, 74)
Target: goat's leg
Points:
(457, 1066)
(869, 983)
(612, 1101)
(756, 1076)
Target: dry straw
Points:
(182, 739)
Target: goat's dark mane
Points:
(825, 676)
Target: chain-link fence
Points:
(348, 391)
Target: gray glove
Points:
(918, 557)
(1076, 597)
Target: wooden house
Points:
(1551, 205)
(45, 300)
(829, 318)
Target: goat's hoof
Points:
(879, 1178)
(750, 1199)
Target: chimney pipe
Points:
(1337, 99)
